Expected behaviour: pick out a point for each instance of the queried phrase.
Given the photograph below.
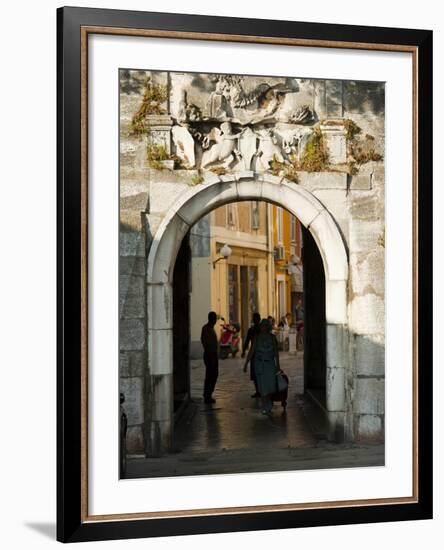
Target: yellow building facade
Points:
(287, 248)
(257, 276)
(240, 283)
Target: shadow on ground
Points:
(232, 436)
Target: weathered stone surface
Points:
(326, 235)
(333, 97)
(132, 292)
(366, 206)
(337, 346)
(364, 234)
(369, 355)
(163, 253)
(335, 389)
(132, 363)
(164, 192)
(369, 428)
(132, 334)
(160, 344)
(323, 180)
(361, 182)
(160, 303)
(367, 315)
(162, 397)
(335, 141)
(369, 396)
(132, 243)
(132, 388)
(134, 440)
(136, 202)
(336, 302)
(368, 272)
(130, 265)
(130, 220)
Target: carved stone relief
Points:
(240, 123)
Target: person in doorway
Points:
(299, 311)
(266, 363)
(272, 322)
(208, 338)
(253, 331)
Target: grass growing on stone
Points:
(153, 99)
(381, 239)
(197, 179)
(155, 154)
(288, 170)
(360, 149)
(313, 159)
(315, 156)
(218, 170)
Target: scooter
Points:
(229, 340)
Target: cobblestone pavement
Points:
(232, 436)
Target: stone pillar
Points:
(335, 137)
(160, 131)
(159, 404)
(337, 354)
(333, 98)
(319, 99)
(132, 331)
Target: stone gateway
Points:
(190, 143)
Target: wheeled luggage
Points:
(281, 395)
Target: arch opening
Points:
(169, 258)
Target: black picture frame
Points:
(71, 523)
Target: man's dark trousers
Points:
(211, 361)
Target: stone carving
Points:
(242, 123)
(160, 130)
(247, 147)
(294, 140)
(268, 149)
(304, 115)
(225, 146)
(184, 144)
(230, 101)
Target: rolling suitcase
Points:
(281, 395)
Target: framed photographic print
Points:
(244, 254)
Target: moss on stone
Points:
(155, 154)
(154, 97)
(198, 178)
(315, 156)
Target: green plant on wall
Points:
(313, 159)
(381, 239)
(154, 96)
(198, 178)
(315, 155)
(361, 149)
(288, 170)
(155, 154)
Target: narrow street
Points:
(232, 436)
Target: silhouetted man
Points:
(251, 334)
(208, 338)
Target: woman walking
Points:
(266, 363)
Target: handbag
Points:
(282, 383)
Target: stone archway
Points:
(185, 212)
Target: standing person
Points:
(253, 331)
(266, 363)
(208, 338)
